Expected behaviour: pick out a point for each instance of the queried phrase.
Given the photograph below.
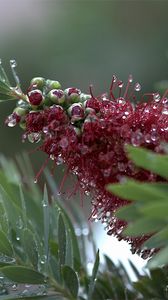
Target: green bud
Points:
(72, 94)
(57, 96)
(20, 111)
(84, 97)
(52, 84)
(38, 81)
(22, 125)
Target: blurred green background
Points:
(80, 42)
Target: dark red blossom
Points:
(90, 137)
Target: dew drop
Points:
(19, 223)
(147, 138)
(130, 78)
(18, 238)
(11, 121)
(35, 180)
(14, 287)
(120, 84)
(13, 63)
(52, 157)
(165, 111)
(85, 231)
(137, 87)
(156, 97)
(78, 231)
(114, 79)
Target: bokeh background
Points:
(80, 42)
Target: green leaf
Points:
(61, 239)
(159, 260)
(93, 277)
(5, 245)
(155, 210)
(158, 240)
(4, 88)
(144, 225)
(37, 297)
(135, 190)
(22, 274)
(74, 243)
(4, 97)
(128, 213)
(148, 160)
(70, 280)
(30, 246)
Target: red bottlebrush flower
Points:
(94, 148)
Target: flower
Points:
(89, 135)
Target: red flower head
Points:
(89, 134)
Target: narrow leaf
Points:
(148, 160)
(61, 240)
(135, 190)
(94, 274)
(21, 274)
(5, 245)
(70, 280)
(159, 260)
(143, 226)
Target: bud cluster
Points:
(89, 134)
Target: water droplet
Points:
(34, 137)
(18, 238)
(64, 143)
(19, 223)
(85, 231)
(59, 160)
(14, 287)
(52, 157)
(43, 259)
(35, 180)
(154, 136)
(136, 138)
(121, 167)
(114, 78)
(11, 121)
(165, 111)
(165, 101)
(137, 87)
(120, 84)
(130, 78)
(13, 65)
(147, 138)
(78, 231)
(156, 97)
(87, 193)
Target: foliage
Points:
(40, 257)
(147, 213)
